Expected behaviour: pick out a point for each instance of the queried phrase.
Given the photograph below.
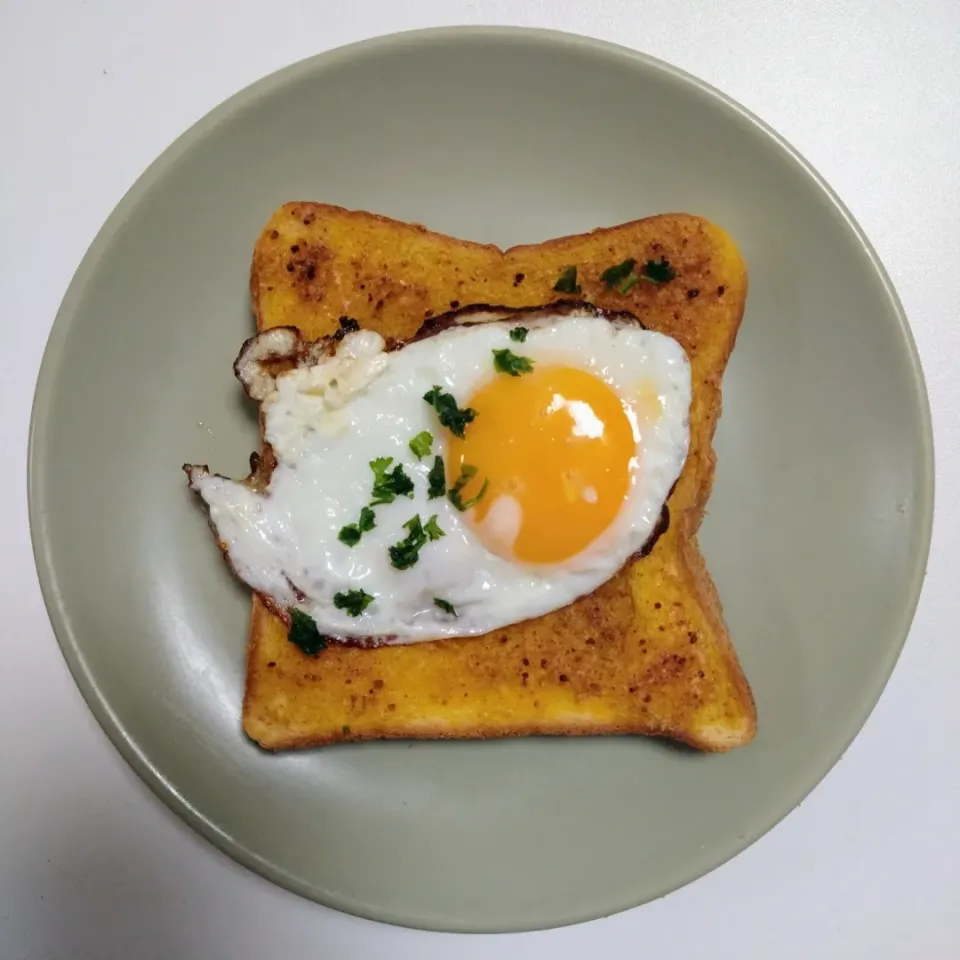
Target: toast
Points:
(646, 653)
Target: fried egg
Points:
(558, 432)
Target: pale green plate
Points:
(817, 533)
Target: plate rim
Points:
(64, 322)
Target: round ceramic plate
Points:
(817, 532)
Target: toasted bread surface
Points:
(646, 653)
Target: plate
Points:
(817, 533)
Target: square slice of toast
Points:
(646, 653)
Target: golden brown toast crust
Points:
(647, 652)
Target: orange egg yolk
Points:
(556, 450)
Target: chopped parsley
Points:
(303, 633)
(388, 486)
(346, 728)
(613, 276)
(658, 271)
(421, 444)
(353, 601)
(467, 473)
(519, 334)
(445, 606)
(625, 278)
(506, 361)
(449, 414)
(567, 281)
(406, 553)
(437, 478)
(351, 533)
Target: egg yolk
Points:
(555, 448)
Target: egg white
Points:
(327, 421)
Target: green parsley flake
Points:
(303, 633)
(567, 281)
(351, 533)
(615, 275)
(388, 486)
(445, 606)
(449, 414)
(406, 553)
(628, 283)
(437, 478)
(506, 361)
(421, 444)
(467, 473)
(519, 334)
(353, 601)
(432, 529)
(658, 271)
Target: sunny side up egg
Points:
(483, 475)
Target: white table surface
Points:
(92, 865)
